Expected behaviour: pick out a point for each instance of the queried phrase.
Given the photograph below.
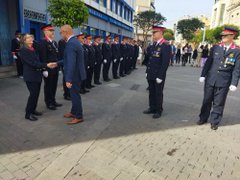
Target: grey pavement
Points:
(116, 141)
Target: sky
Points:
(174, 10)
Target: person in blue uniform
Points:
(32, 74)
(48, 51)
(123, 54)
(107, 57)
(220, 74)
(115, 57)
(159, 59)
(98, 58)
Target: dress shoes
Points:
(107, 80)
(122, 75)
(67, 98)
(157, 115)
(116, 77)
(92, 86)
(57, 104)
(97, 83)
(214, 127)
(75, 121)
(69, 115)
(36, 113)
(31, 118)
(51, 107)
(200, 122)
(149, 111)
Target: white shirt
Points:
(159, 41)
(70, 37)
(227, 47)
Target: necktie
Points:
(225, 50)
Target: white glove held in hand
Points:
(233, 88)
(14, 57)
(201, 79)
(45, 74)
(115, 60)
(146, 74)
(105, 61)
(158, 80)
(121, 58)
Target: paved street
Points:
(116, 141)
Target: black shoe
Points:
(157, 115)
(51, 107)
(57, 104)
(97, 83)
(116, 77)
(122, 75)
(214, 127)
(107, 80)
(36, 113)
(86, 91)
(82, 91)
(68, 98)
(88, 87)
(92, 86)
(149, 111)
(31, 118)
(200, 122)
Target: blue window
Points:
(113, 5)
(116, 8)
(121, 9)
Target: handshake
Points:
(52, 65)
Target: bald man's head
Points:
(66, 31)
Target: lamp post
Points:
(204, 34)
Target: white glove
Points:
(233, 88)
(146, 74)
(105, 61)
(45, 74)
(88, 67)
(201, 79)
(158, 80)
(14, 57)
(121, 58)
(115, 60)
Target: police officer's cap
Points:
(229, 31)
(47, 27)
(80, 35)
(96, 37)
(158, 29)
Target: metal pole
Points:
(204, 35)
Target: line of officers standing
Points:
(98, 57)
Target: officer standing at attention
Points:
(99, 59)
(48, 52)
(123, 54)
(220, 73)
(107, 57)
(157, 66)
(115, 56)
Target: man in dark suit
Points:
(15, 46)
(115, 57)
(48, 52)
(107, 57)
(61, 47)
(159, 58)
(74, 72)
(99, 59)
(123, 56)
(220, 73)
(136, 53)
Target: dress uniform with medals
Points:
(48, 51)
(107, 57)
(115, 56)
(159, 59)
(123, 56)
(220, 73)
(99, 59)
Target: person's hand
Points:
(88, 67)
(69, 85)
(201, 79)
(105, 61)
(115, 60)
(45, 74)
(121, 58)
(52, 65)
(232, 88)
(146, 74)
(159, 81)
(14, 56)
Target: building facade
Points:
(106, 17)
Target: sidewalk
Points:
(117, 141)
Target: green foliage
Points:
(72, 12)
(168, 34)
(187, 27)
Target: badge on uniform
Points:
(230, 60)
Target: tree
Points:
(168, 34)
(72, 12)
(187, 27)
(145, 20)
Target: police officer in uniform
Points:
(98, 58)
(123, 56)
(136, 53)
(107, 57)
(220, 73)
(15, 46)
(156, 71)
(81, 39)
(48, 51)
(91, 61)
(115, 57)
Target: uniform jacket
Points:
(136, 51)
(74, 70)
(15, 46)
(98, 53)
(159, 58)
(123, 49)
(48, 51)
(115, 51)
(107, 51)
(221, 69)
(85, 53)
(32, 67)
(91, 55)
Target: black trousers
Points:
(106, 67)
(19, 66)
(89, 76)
(178, 59)
(50, 86)
(214, 98)
(97, 72)
(184, 59)
(156, 95)
(34, 90)
(115, 66)
(135, 62)
(122, 67)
